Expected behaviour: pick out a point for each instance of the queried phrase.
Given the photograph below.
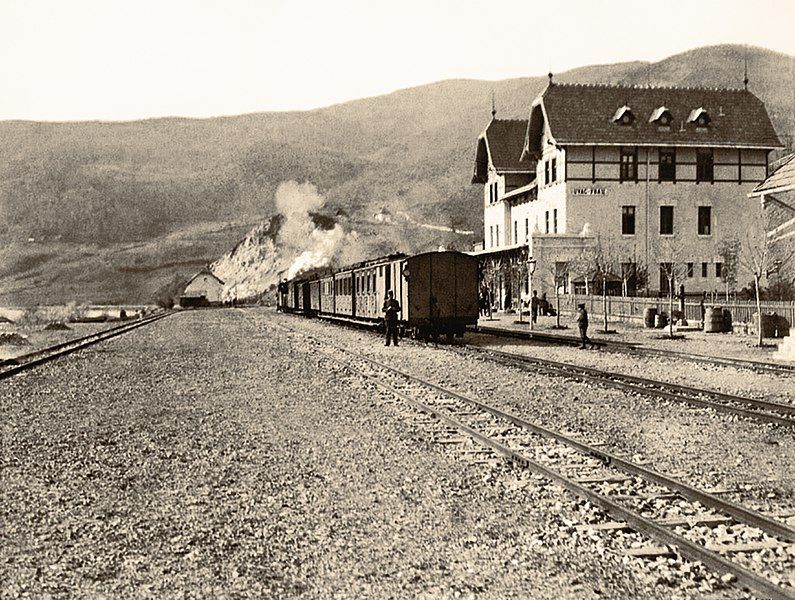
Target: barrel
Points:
(727, 320)
(660, 320)
(713, 320)
(648, 316)
(769, 322)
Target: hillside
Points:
(117, 209)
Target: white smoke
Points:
(314, 247)
(324, 245)
(255, 265)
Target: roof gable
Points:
(500, 146)
(583, 114)
(207, 272)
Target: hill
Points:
(115, 210)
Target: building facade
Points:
(640, 182)
(203, 289)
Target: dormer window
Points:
(624, 116)
(700, 117)
(662, 117)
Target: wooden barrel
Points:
(727, 320)
(660, 320)
(648, 316)
(713, 320)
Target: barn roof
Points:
(501, 146)
(584, 114)
(205, 271)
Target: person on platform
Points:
(582, 325)
(391, 309)
(534, 305)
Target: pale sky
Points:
(106, 59)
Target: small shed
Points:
(203, 289)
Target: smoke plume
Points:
(298, 246)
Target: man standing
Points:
(391, 310)
(534, 302)
(582, 324)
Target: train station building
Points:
(619, 184)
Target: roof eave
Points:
(705, 143)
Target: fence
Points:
(631, 308)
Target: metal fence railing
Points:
(632, 308)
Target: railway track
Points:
(765, 411)
(28, 361)
(628, 348)
(758, 554)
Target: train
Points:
(437, 291)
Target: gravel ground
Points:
(729, 345)
(672, 438)
(211, 455)
(730, 380)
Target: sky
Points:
(121, 60)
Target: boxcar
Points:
(440, 295)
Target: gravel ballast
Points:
(211, 454)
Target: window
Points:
(554, 169)
(546, 172)
(704, 162)
(546, 219)
(718, 269)
(703, 269)
(624, 116)
(690, 269)
(629, 164)
(704, 220)
(516, 232)
(497, 234)
(628, 220)
(491, 236)
(667, 166)
(666, 220)
(527, 229)
(555, 220)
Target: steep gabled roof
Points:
(583, 114)
(781, 180)
(501, 145)
(204, 271)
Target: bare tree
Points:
(762, 256)
(729, 251)
(491, 271)
(607, 268)
(556, 274)
(673, 269)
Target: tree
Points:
(762, 256)
(672, 269)
(491, 271)
(729, 251)
(517, 271)
(556, 273)
(607, 269)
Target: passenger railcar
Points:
(437, 291)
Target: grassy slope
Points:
(118, 208)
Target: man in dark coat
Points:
(535, 303)
(582, 325)
(391, 309)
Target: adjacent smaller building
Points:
(203, 289)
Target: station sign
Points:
(589, 191)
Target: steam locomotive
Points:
(437, 291)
